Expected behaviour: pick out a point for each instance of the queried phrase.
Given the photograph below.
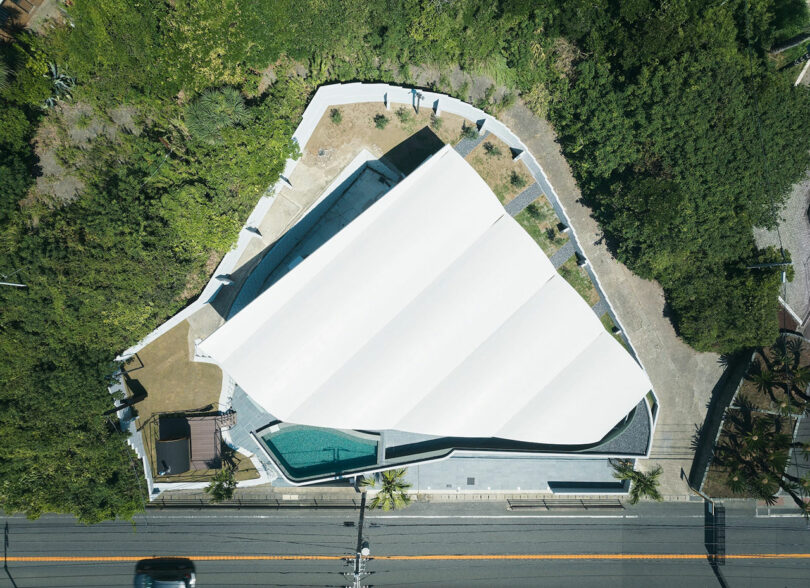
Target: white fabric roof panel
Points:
(432, 312)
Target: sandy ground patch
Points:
(492, 159)
(171, 380)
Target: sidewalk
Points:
(683, 378)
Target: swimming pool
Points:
(309, 452)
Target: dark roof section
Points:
(173, 456)
(202, 437)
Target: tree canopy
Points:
(117, 198)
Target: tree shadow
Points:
(721, 397)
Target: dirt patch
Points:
(357, 128)
(332, 146)
(81, 123)
(267, 79)
(124, 118)
(492, 159)
(172, 382)
(541, 222)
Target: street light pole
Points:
(362, 551)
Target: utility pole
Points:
(362, 551)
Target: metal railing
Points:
(553, 503)
(163, 502)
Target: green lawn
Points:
(580, 280)
(540, 221)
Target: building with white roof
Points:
(434, 313)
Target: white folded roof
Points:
(432, 312)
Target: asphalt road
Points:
(567, 548)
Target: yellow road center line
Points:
(538, 556)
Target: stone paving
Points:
(466, 146)
(563, 254)
(249, 417)
(522, 200)
(600, 307)
(505, 473)
(683, 378)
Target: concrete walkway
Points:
(506, 473)
(683, 378)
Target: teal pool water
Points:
(307, 452)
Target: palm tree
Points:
(214, 111)
(393, 493)
(763, 378)
(756, 453)
(642, 484)
(222, 485)
(781, 353)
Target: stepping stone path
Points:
(465, 146)
(523, 199)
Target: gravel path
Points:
(563, 254)
(466, 146)
(523, 199)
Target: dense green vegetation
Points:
(118, 201)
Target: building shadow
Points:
(413, 151)
(267, 266)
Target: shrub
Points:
(489, 93)
(381, 121)
(492, 149)
(517, 180)
(444, 84)
(336, 116)
(404, 115)
(508, 100)
(5, 73)
(463, 92)
(436, 121)
(469, 132)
